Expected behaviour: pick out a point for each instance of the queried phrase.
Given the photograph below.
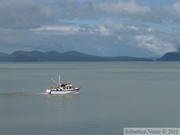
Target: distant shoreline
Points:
(54, 56)
(73, 56)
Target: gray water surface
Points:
(113, 95)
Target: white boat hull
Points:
(73, 91)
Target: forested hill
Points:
(170, 56)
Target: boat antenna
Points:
(54, 81)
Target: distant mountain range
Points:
(54, 56)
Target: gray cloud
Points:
(18, 14)
(121, 8)
(73, 9)
(27, 14)
(35, 13)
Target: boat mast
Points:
(59, 80)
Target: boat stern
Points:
(48, 91)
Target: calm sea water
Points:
(113, 95)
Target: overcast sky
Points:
(141, 28)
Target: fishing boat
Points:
(66, 88)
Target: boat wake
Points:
(11, 94)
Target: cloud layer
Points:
(95, 27)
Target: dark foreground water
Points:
(113, 95)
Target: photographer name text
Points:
(151, 131)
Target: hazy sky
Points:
(142, 28)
